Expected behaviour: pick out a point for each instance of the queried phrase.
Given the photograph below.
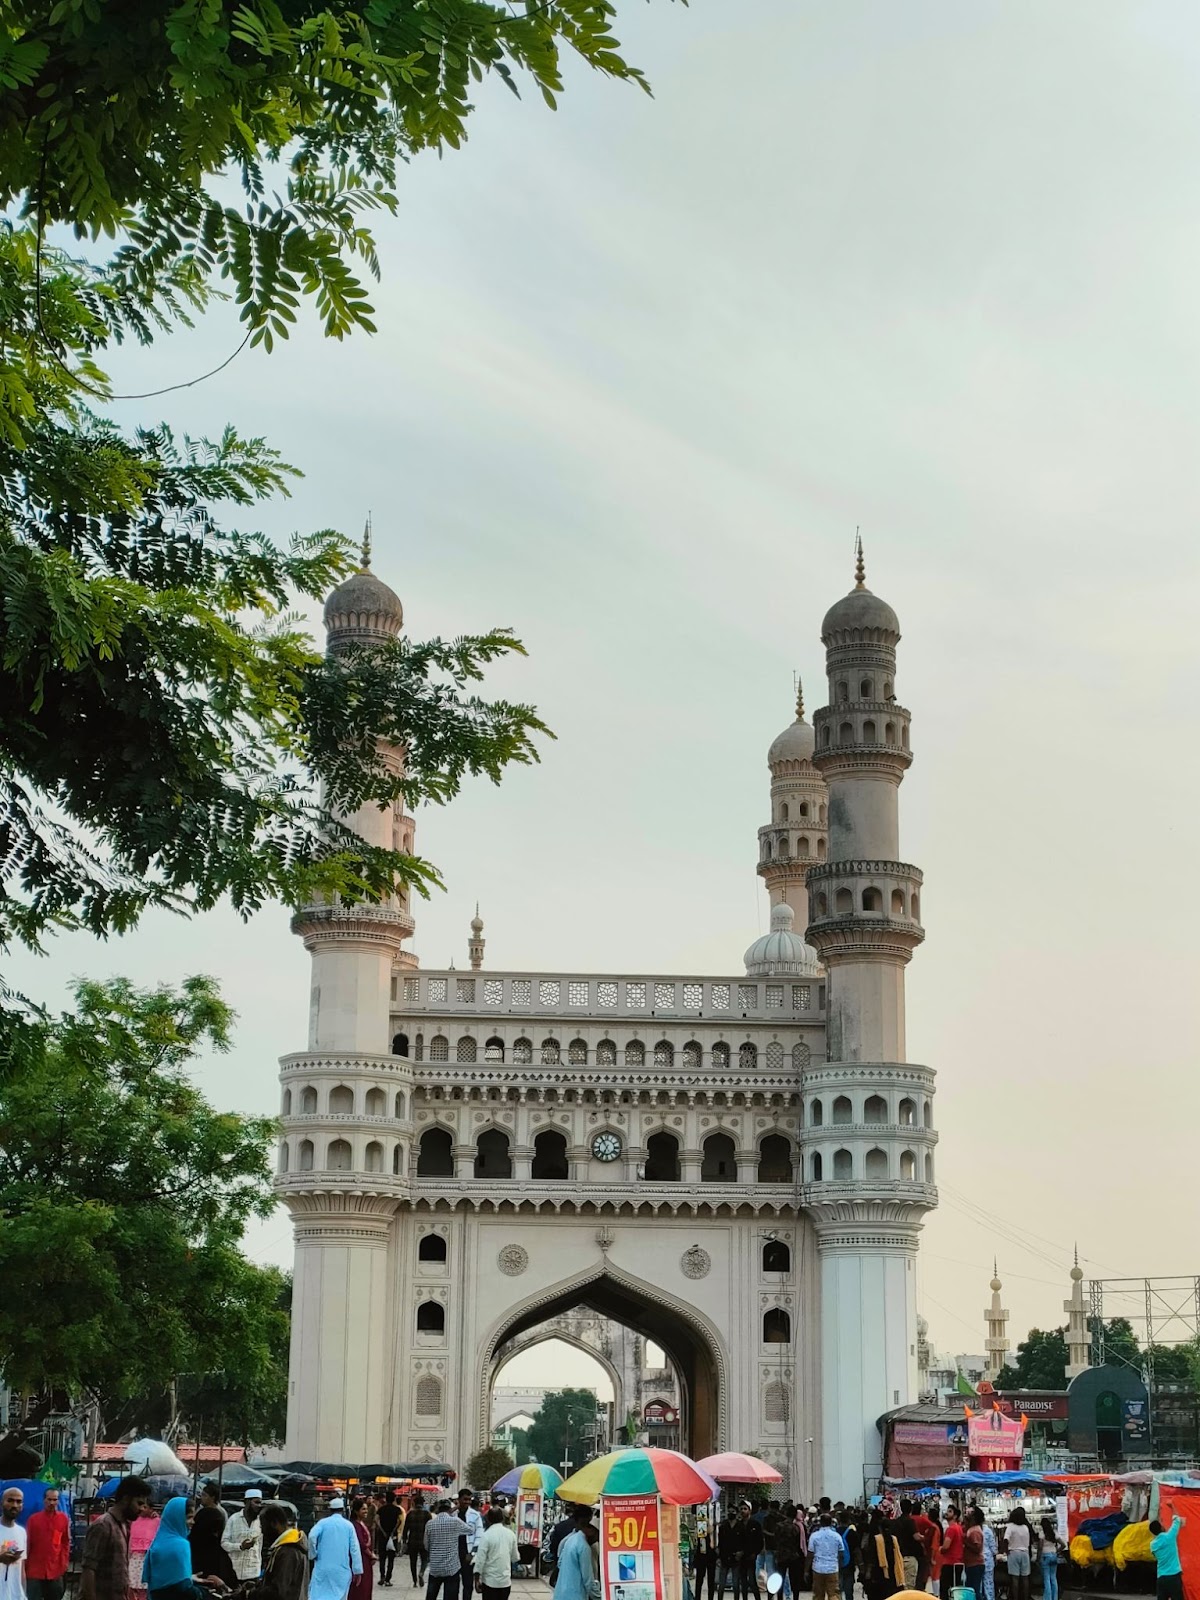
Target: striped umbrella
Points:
(533, 1475)
(668, 1473)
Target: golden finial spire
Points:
(366, 546)
(799, 697)
(860, 566)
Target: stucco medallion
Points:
(513, 1260)
(695, 1263)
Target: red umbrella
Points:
(733, 1467)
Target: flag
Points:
(964, 1385)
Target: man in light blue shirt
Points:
(336, 1555)
(1164, 1547)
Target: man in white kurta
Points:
(336, 1555)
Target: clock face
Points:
(606, 1146)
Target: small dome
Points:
(859, 612)
(795, 743)
(996, 1286)
(781, 950)
(1076, 1273)
(363, 610)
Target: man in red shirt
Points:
(49, 1552)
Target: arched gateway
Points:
(735, 1167)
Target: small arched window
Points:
(427, 1401)
(376, 1103)
(868, 732)
(928, 1169)
(283, 1155)
(816, 1115)
(908, 1166)
(339, 1157)
(800, 1056)
(635, 1053)
(341, 1100)
(820, 849)
(816, 1166)
(887, 688)
(777, 1326)
(399, 1044)
(876, 1164)
(776, 1256)
(401, 1110)
(719, 1163)
(431, 1317)
(662, 1158)
(864, 689)
(522, 1052)
(844, 904)
(577, 1053)
(802, 847)
(720, 1056)
(693, 1056)
(843, 1166)
(770, 850)
(287, 1102)
(897, 902)
(914, 909)
(804, 808)
(783, 812)
(774, 1056)
(875, 1109)
(606, 1053)
(904, 734)
(777, 1402)
(872, 900)
(492, 1157)
(927, 1114)
(664, 1053)
(843, 1109)
(747, 1057)
(908, 1113)
(431, 1248)
(822, 905)
(845, 733)
(397, 1160)
(550, 1157)
(467, 1049)
(435, 1154)
(306, 1155)
(889, 733)
(843, 693)
(826, 737)
(439, 1048)
(419, 1048)
(373, 1156)
(493, 1050)
(821, 818)
(774, 1159)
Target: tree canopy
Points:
(486, 1466)
(132, 125)
(564, 1419)
(123, 1199)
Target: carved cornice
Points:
(854, 1074)
(364, 924)
(321, 1063)
(829, 871)
(859, 760)
(857, 934)
(895, 1207)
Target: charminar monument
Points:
(735, 1165)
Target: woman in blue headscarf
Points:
(167, 1569)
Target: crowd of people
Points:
(829, 1548)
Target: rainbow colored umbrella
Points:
(668, 1473)
(533, 1475)
(734, 1467)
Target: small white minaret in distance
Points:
(1078, 1342)
(476, 942)
(795, 838)
(996, 1344)
(867, 1138)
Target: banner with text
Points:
(995, 1437)
(630, 1547)
(529, 1517)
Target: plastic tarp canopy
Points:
(993, 1480)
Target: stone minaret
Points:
(476, 942)
(795, 838)
(867, 1139)
(996, 1344)
(346, 1105)
(1078, 1341)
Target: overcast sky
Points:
(643, 365)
